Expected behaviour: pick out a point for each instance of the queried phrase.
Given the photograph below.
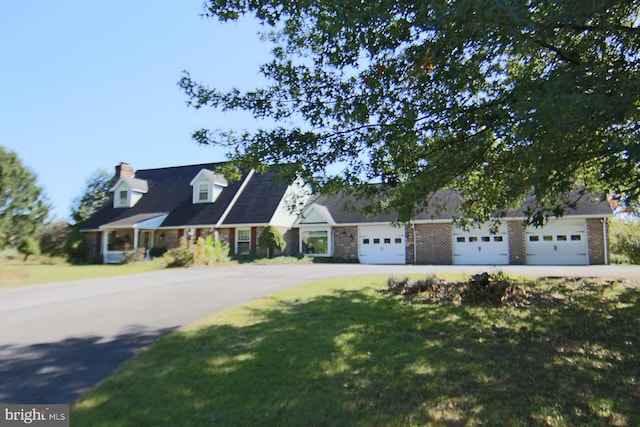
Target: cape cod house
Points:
(157, 207)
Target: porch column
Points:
(136, 238)
(105, 246)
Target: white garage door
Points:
(479, 246)
(560, 242)
(381, 245)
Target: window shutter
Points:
(232, 239)
(254, 240)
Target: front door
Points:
(146, 239)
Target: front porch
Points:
(120, 244)
(137, 237)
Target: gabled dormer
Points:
(128, 191)
(314, 215)
(207, 186)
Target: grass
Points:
(19, 273)
(15, 271)
(341, 353)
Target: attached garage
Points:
(479, 246)
(580, 237)
(381, 244)
(560, 242)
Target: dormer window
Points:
(128, 191)
(207, 186)
(203, 193)
(123, 198)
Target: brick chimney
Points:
(124, 170)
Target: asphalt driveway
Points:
(58, 340)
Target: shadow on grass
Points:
(357, 358)
(60, 372)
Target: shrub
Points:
(208, 251)
(76, 246)
(134, 256)
(53, 239)
(157, 251)
(205, 252)
(271, 239)
(182, 256)
(625, 241)
(29, 246)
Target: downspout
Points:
(415, 245)
(605, 233)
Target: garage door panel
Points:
(480, 246)
(557, 243)
(381, 245)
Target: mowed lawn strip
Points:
(340, 352)
(18, 274)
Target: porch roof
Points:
(141, 221)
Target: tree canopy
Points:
(95, 194)
(499, 100)
(23, 206)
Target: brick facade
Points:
(410, 244)
(292, 237)
(434, 243)
(517, 245)
(345, 242)
(94, 241)
(598, 240)
(167, 238)
(429, 243)
(225, 236)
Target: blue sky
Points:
(85, 85)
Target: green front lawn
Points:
(340, 352)
(21, 273)
(14, 271)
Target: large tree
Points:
(23, 206)
(500, 100)
(95, 194)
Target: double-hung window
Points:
(123, 198)
(203, 192)
(243, 241)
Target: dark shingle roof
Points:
(170, 193)
(442, 206)
(258, 201)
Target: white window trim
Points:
(197, 190)
(214, 184)
(329, 232)
(237, 240)
(118, 200)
